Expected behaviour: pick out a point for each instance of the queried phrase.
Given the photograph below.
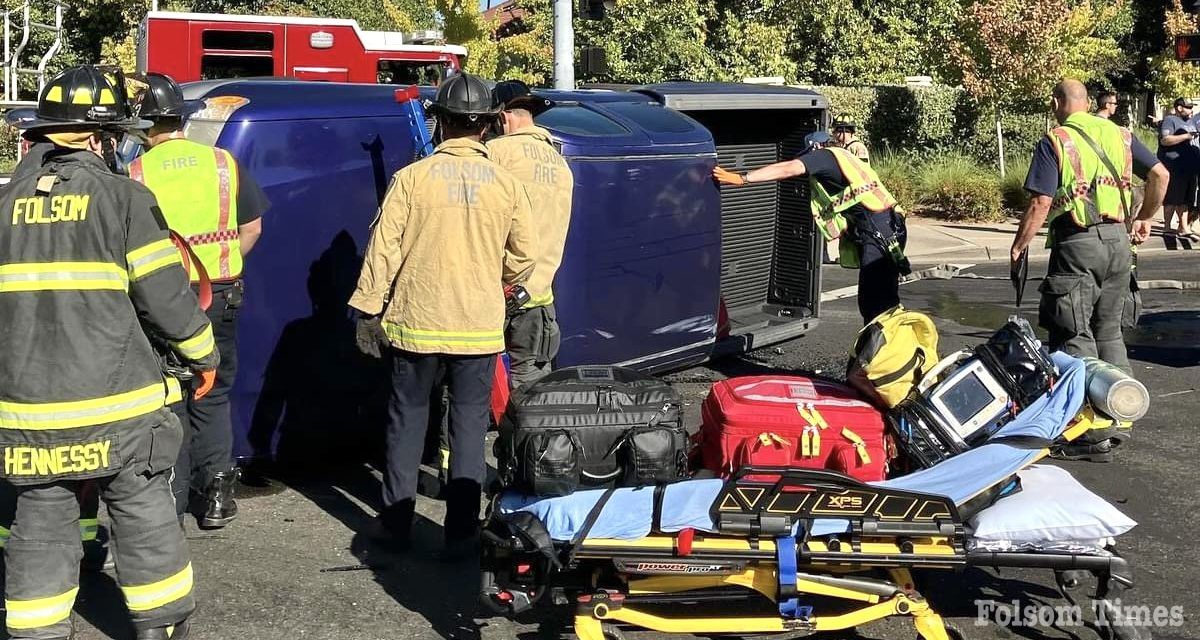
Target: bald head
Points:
(1070, 96)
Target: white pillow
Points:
(1051, 507)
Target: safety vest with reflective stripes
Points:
(1087, 190)
(196, 187)
(863, 188)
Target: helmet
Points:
(844, 121)
(815, 140)
(515, 94)
(464, 95)
(163, 99)
(84, 97)
(15, 117)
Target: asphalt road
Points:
(275, 573)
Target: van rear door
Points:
(770, 250)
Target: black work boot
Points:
(220, 508)
(1097, 452)
(177, 631)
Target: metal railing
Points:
(12, 55)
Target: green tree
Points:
(529, 54)
(1169, 77)
(648, 41)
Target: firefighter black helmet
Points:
(514, 94)
(464, 96)
(163, 99)
(816, 140)
(82, 98)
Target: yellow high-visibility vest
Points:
(1087, 190)
(196, 187)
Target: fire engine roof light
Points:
(321, 40)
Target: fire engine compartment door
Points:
(236, 49)
(321, 74)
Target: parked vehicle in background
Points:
(201, 46)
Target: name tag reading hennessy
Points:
(59, 460)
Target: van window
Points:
(408, 72)
(238, 40)
(213, 67)
(579, 121)
(652, 117)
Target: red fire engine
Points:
(200, 46)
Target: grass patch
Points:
(1013, 195)
(954, 187)
(896, 172)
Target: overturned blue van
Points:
(661, 270)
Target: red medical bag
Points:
(791, 421)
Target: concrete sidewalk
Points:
(937, 241)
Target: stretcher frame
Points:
(622, 581)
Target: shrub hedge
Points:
(931, 120)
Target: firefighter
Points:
(217, 208)
(531, 336)
(452, 228)
(86, 259)
(1081, 181)
(844, 135)
(95, 554)
(849, 202)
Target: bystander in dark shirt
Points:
(1173, 125)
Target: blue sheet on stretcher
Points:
(685, 505)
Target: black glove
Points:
(370, 336)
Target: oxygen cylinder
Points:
(1115, 393)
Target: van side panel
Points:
(299, 373)
(641, 272)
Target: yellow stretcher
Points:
(784, 583)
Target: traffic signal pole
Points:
(564, 45)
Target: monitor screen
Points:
(966, 398)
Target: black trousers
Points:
(1086, 290)
(208, 425)
(413, 377)
(878, 275)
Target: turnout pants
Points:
(208, 440)
(1085, 291)
(531, 338)
(878, 274)
(470, 382)
(43, 553)
(89, 510)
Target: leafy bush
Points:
(932, 120)
(955, 187)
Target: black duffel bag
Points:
(590, 427)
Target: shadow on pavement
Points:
(102, 604)
(737, 366)
(1168, 338)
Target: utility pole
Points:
(564, 45)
